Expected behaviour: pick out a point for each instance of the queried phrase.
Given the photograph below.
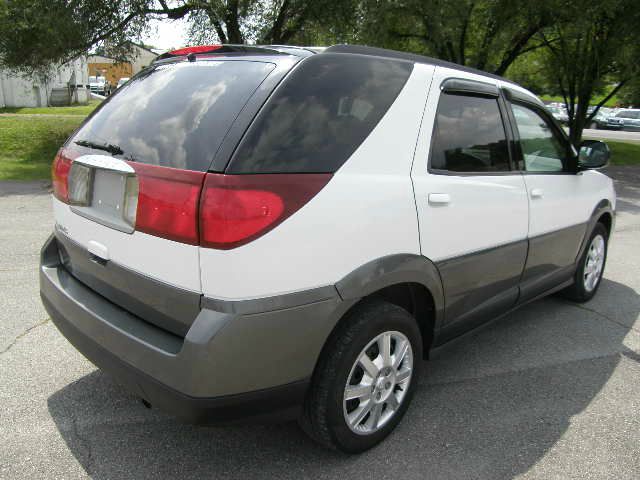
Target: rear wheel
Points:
(590, 268)
(365, 379)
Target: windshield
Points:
(174, 115)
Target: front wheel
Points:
(590, 268)
(365, 379)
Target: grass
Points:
(612, 102)
(623, 153)
(73, 110)
(29, 144)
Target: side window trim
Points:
(515, 151)
(463, 86)
(511, 100)
(482, 92)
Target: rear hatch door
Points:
(127, 184)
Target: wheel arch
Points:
(602, 213)
(410, 281)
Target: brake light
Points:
(196, 49)
(168, 202)
(60, 173)
(207, 209)
(236, 209)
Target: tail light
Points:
(168, 202)
(207, 209)
(236, 209)
(60, 173)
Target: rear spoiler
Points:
(191, 52)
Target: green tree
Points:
(590, 43)
(486, 34)
(31, 39)
(630, 94)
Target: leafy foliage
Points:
(485, 34)
(590, 44)
(31, 40)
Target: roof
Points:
(93, 58)
(412, 57)
(346, 49)
(142, 47)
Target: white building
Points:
(139, 58)
(67, 84)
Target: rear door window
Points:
(469, 135)
(320, 115)
(175, 115)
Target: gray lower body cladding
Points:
(227, 366)
(166, 306)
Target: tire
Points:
(326, 410)
(585, 286)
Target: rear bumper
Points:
(229, 366)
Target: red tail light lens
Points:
(236, 209)
(207, 209)
(168, 202)
(60, 173)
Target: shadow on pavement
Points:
(489, 406)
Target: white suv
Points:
(259, 231)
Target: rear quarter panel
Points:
(367, 211)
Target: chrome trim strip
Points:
(105, 162)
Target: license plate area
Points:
(106, 196)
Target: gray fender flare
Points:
(604, 206)
(391, 270)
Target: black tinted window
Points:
(176, 115)
(321, 114)
(469, 135)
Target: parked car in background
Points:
(99, 85)
(559, 113)
(627, 119)
(600, 120)
(326, 220)
(122, 81)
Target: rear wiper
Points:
(107, 147)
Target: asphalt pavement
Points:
(551, 391)
(617, 135)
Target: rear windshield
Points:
(320, 115)
(175, 115)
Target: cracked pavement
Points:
(551, 391)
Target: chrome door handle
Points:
(537, 193)
(439, 199)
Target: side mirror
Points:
(593, 154)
